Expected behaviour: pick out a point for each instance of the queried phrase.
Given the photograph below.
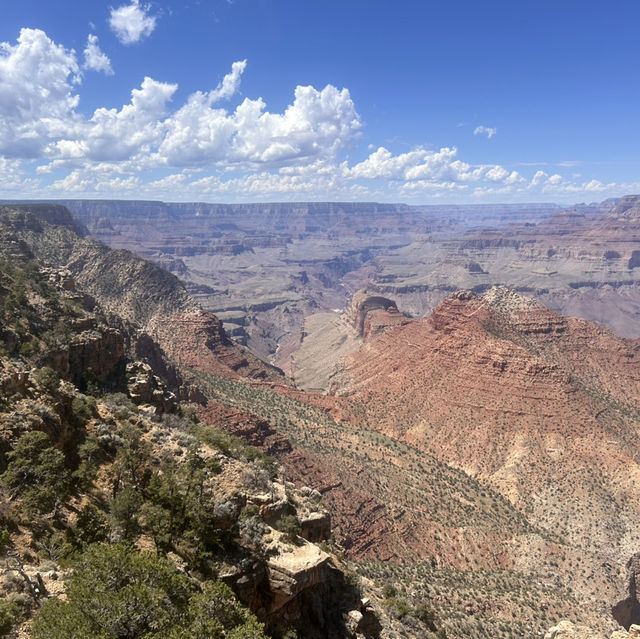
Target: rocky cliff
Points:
(370, 314)
(264, 267)
(480, 464)
(135, 290)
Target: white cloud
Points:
(424, 167)
(131, 22)
(500, 175)
(383, 164)
(209, 150)
(559, 185)
(316, 124)
(485, 130)
(497, 174)
(81, 182)
(12, 176)
(94, 58)
(111, 135)
(37, 99)
(38, 118)
(539, 179)
(229, 84)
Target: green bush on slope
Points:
(118, 592)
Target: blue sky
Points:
(251, 100)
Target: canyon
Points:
(476, 447)
(264, 269)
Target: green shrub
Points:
(9, 616)
(125, 509)
(27, 349)
(290, 526)
(48, 378)
(80, 411)
(36, 473)
(5, 538)
(397, 607)
(117, 592)
(91, 525)
(389, 591)
(426, 614)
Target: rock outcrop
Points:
(627, 611)
(363, 304)
(147, 389)
(135, 290)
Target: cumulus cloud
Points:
(426, 167)
(539, 178)
(485, 130)
(80, 182)
(557, 184)
(12, 176)
(131, 22)
(316, 124)
(37, 99)
(229, 84)
(205, 148)
(142, 134)
(115, 135)
(94, 58)
(38, 118)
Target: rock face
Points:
(627, 611)
(295, 568)
(263, 268)
(316, 526)
(329, 337)
(521, 397)
(145, 387)
(362, 305)
(578, 262)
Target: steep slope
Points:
(134, 289)
(544, 408)
(118, 509)
(413, 522)
(389, 500)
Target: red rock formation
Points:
(368, 314)
(520, 396)
(197, 340)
